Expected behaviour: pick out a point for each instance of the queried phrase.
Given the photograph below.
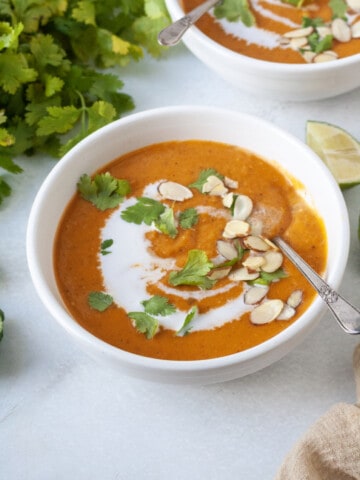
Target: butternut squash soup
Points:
(287, 31)
(166, 252)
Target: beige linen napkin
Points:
(330, 449)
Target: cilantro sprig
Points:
(104, 191)
(187, 325)
(267, 278)
(194, 272)
(202, 178)
(145, 321)
(99, 301)
(52, 92)
(235, 10)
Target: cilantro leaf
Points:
(146, 210)
(295, 3)
(235, 10)
(202, 178)
(267, 278)
(5, 190)
(186, 326)
(8, 164)
(318, 44)
(2, 318)
(99, 301)
(104, 191)
(194, 272)
(58, 120)
(166, 222)
(339, 8)
(15, 71)
(105, 245)
(188, 218)
(158, 305)
(144, 323)
(52, 94)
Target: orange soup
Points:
(166, 252)
(285, 33)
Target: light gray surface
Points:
(63, 417)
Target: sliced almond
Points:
(255, 243)
(254, 262)
(324, 57)
(312, 7)
(266, 312)
(270, 243)
(256, 226)
(219, 273)
(236, 228)
(340, 30)
(272, 261)
(255, 294)
(213, 182)
(174, 191)
(243, 207)
(228, 200)
(323, 31)
(355, 30)
(309, 56)
(226, 249)
(230, 183)
(299, 32)
(297, 43)
(295, 298)
(354, 5)
(243, 275)
(219, 190)
(286, 313)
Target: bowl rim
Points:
(63, 317)
(267, 66)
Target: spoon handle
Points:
(172, 34)
(346, 314)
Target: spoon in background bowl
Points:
(346, 314)
(171, 35)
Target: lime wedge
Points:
(338, 150)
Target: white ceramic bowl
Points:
(180, 123)
(297, 82)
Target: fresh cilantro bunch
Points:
(52, 92)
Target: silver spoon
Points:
(171, 35)
(346, 314)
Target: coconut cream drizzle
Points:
(131, 267)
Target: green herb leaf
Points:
(188, 218)
(99, 301)
(339, 8)
(158, 305)
(267, 278)
(166, 223)
(2, 318)
(8, 164)
(146, 210)
(194, 272)
(204, 175)
(5, 190)
(235, 10)
(104, 191)
(144, 323)
(105, 245)
(186, 326)
(318, 44)
(52, 94)
(295, 3)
